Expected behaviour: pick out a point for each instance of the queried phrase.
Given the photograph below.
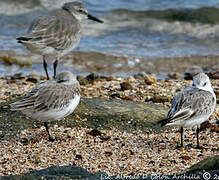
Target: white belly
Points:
(55, 114)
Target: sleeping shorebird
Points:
(51, 100)
(192, 106)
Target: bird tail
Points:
(163, 122)
(22, 39)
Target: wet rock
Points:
(192, 71)
(125, 86)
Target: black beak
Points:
(94, 18)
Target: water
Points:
(149, 28)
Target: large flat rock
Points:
(92, 113)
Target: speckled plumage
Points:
(48, 96)
(51, 100)
(192, 106)
(57, 33)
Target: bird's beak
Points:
(94, 18)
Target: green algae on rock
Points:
(99, 113)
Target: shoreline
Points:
(111, 65)
(119, 151)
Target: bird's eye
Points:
(80, 10)
(205, 84)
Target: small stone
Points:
(78, 157)
(24, 141)
(160, 99)
(150, 79)
(175, 75)
(192, 71)
(33, 78)
(128, 98)
(92, 77)
(125, 86)
(213, 74)
(115, 95)
(130, 79)
(186, 158)
(82, 80)
(140, 75)
(95, 133)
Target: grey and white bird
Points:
(57, 33)
(51, 100)
(192, 106)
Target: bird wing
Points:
(52, 31)
(188, 103)
(46, 97)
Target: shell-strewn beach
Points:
(108, 150)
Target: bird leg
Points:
(45, 67)
(47, 130)
(197, 134)
(55, 64)
(181, 131)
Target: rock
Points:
(100, 113)
(175, 75)
(33, 78)
(130, 79)
(213, 74)
(160, 99)
(17, 76)
(140, 75)
(92, 77)
(58, 172)
(150, 79)
(192, 71)
(82, 80)
(211, 163)
(125, 86)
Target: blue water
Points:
(123, 33)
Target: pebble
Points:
(192, 71)
(150, 79)
(125, 86)
(126, 151)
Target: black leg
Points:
(181, 131)
(45, 67)
(47, 130)
(197, 134)
(55, 64)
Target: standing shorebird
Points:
(51, 100)
(192, 106)
(57, 33)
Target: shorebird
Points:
(192, 106)
(57, 33)
(51, 100)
